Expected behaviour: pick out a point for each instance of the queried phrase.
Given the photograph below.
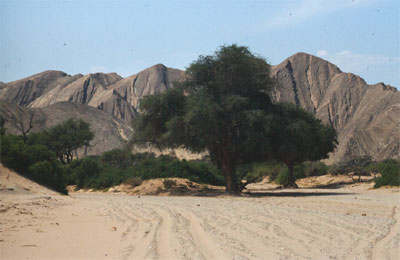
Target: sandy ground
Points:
(345, 223)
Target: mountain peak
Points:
(44, 74)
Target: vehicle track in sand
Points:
(328, 227)
(382, 247)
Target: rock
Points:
(365, 116)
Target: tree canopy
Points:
(223, 106)
(65, 138)
(299, 136)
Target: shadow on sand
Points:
(295, 193)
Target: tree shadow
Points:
(297, 193)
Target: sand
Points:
(352, 222)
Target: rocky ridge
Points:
(366, 116)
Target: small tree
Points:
(65, 138)
(222, 107)
(299, 136)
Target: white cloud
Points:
(322, 53)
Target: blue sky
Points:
(360, 36)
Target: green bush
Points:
(34, 161)
(118, 166)
(357, 165)
(134, 181)
(85, 169)
(390, 173)
(258, 171)
(282, 177)
(121, 158)
(13, 153)
(168, 183)
(315, 169)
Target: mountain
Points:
(365, 116)
(110, 132)
(108, 92)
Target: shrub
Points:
(134, 181)
(390, 173)
(168, 183)
(13, 153)
(356, 165)
(118, 166)
(85, 169)
(258, 171)
(282, 177)
(34, 161)
(50, 174)
(121, 158)
(315, 168)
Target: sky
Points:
(359, 36)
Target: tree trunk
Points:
(291, 183)
(228, 170)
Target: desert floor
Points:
(351, 222)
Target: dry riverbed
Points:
(351, 222)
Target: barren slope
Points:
(366, 116)
(110, 132)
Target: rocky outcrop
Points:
(81, 90)
(108, 92)
(23, 92)
(150, 81)
(365, 116)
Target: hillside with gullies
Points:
(365, 116)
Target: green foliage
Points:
(121, 166)
(85, 171)
(356, 165)
(121, 158)
(168, 183)
(314, 168)
(2, 128)
(298, 136)
(13, 153)
(283, 176)
(222, 107)
(390, 173)
(256, 172)
(134, 181)
(389, 169)
(166, 167)
(65, 138)
(49, 173)
(35, 156)
(33, 161)
(158, 110)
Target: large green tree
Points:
(65, 138)
(298, 136)
(223, 107)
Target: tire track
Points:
(379, 251)
(250, 228)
